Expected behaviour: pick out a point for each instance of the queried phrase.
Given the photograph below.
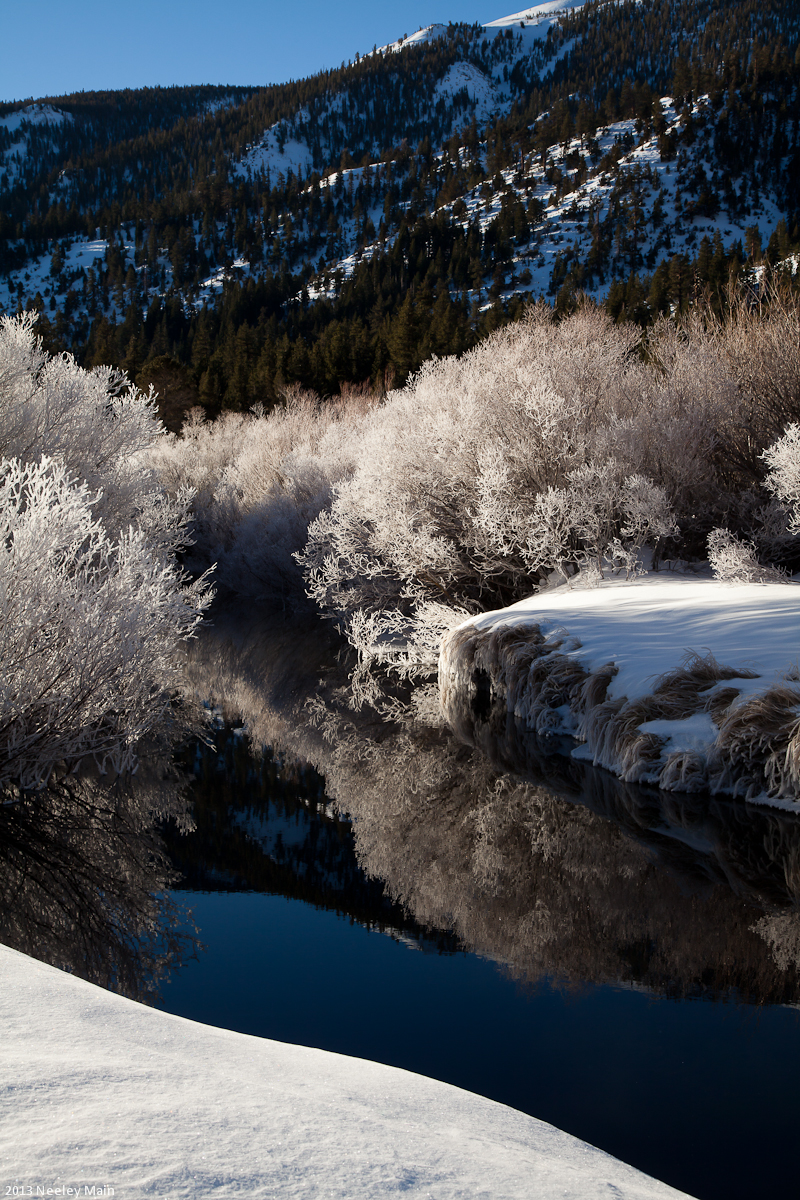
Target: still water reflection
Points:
(83, 879)
(486, 911)
(616, 961)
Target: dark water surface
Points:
(701, 1095)
(620, 962)
(686, 1068)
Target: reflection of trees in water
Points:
(553, 868)
(83, 877)
(264, 824)
(553, 888)
(753, 850)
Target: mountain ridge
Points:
(409, 201)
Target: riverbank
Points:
(687, 683)
(100, 1092)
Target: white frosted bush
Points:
(670, 416)
(549, 538)
(258, 481)
(783, 478)
(594, 491)
(584, 523)
(95, 422)
(734, 560)
(647, 513)
(479, 476)
(90, 630)
(761, 346)
(93, 609)
(447, 474)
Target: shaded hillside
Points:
(225, 242)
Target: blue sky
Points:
(53, 46)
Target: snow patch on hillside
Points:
(532, 24)
(34, 114)
(98, 1090)
(277, 153)
(565, 228)
(211, 286)
(19, 124)
(428, 34)
(215, 106)
(79, 254)
(461, 76)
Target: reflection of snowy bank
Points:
(102, 1091)
(604, 664)
(548, 888)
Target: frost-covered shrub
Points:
(258, 481)
(666, 425)
(95, 422)
(761, 347)
(549, 447)
(94, 609)
(480, 477)
(599, 516)
(734, 560)
(696, 409)
(90, 630)
(707, 398)
(604, 508)
(783, 478)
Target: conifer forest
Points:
(225, 243)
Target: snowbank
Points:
(684, 682)
(100, 1092)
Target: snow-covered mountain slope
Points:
(555, 150)
(536, 14)
(428, 34)
(486, 85)
(276, 153)
(466, 77)
(32, 115)
(20, 126)
(619, 178)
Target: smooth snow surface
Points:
(647, 627)
(100, 1091)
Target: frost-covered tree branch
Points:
(93, 607)
(95, 422)
(90, 630)
(783, 478)
(481, 477)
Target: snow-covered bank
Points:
(685, 682)
(100, 1092)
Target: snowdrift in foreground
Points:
(683, 682)
(101, 1092)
